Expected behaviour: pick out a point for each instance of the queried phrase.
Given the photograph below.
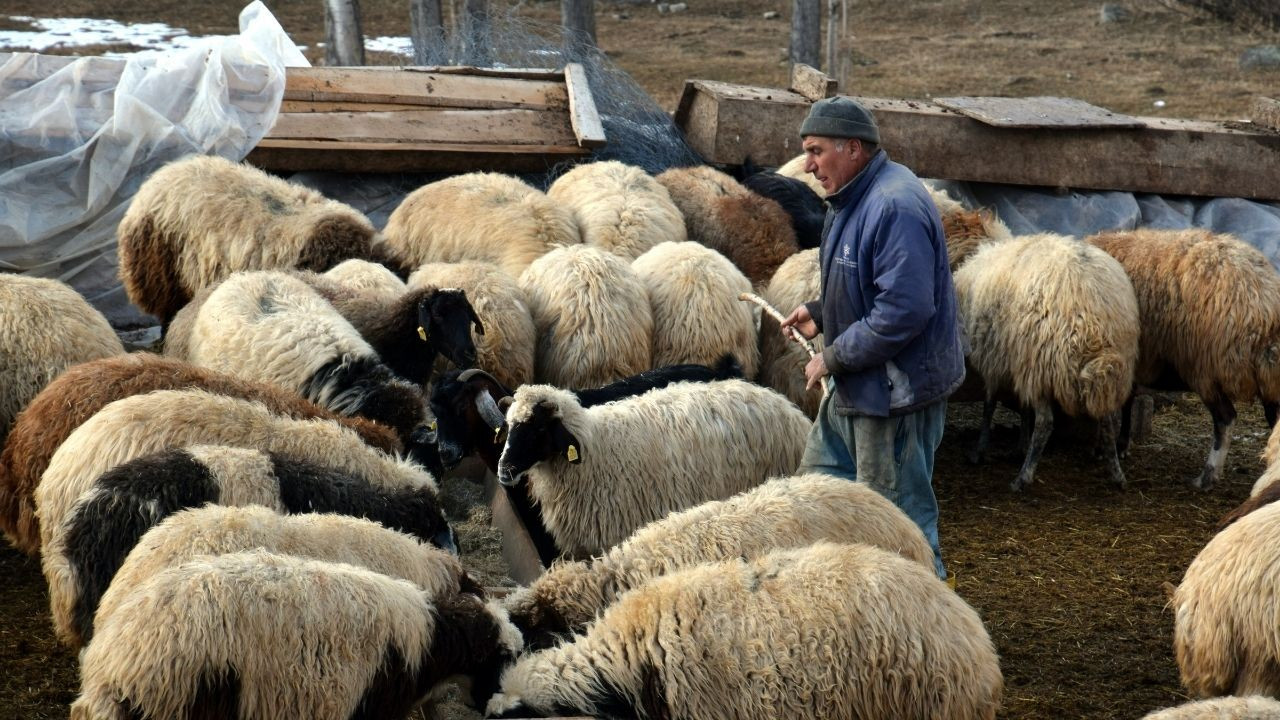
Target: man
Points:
(888, 311)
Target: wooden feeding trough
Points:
(430, 119)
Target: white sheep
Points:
(488, 217)
(1254, 707)
(619, 208)
(261, 635)
(597, 474)
(199, 219)
(782, 361)
(367, 277)
(592, 317)
(1054, 320)
(697, 317)
(46, 328)
(827, 632)
(782, 513)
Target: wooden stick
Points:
(773, 312)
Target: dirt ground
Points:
(1067, 574)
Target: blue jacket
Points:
(888, 307)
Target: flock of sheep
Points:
(250, 524)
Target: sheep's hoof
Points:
(975, 456)
(1119, 480)
(1020, 482)
(1206, 479)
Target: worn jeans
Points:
(894, 455)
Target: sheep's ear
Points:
(474, 317)
(565, 443)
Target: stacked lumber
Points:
(430, 119)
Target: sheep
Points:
(597, 474)
(367, 277)
(753, 231)
(592, 317)
(199, 219)
(1271, 454)
(272, 326)
(799, 200)
(794, 168)
(506, 348)
(144, 424)
(1224, 636)
(1210, 308)
(262, 635)
(697, 317)
(1055, 320)
(1264, 492)
(619, 208)
(47, 327)
(782, 361)
(830, 631)
(84, 389)
(125, 501)
(1254, 707)
(479, 216)
(782, 513)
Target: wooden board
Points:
(422, 86)
(583, 116)
(727, 123)
(1038, 112)
(517, 547)
(496, 127)
(301, 155)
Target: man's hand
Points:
(801, 320)
(815, 371)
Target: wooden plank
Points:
(582, 108)
(420, 87)
(306, 106)
(517, 547)
(1038, 112)
(726, 123)
(812, 82)
(497, 127)
(305, 155)
(519, 73)
(1265, 112)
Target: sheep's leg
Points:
(1041, 421)
(1028, 415)
(1270, 410)
(1126, 428)
(1108, 426)
(984, 434)
(1224, 414)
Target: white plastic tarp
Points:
(77, 138)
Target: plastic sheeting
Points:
(78, 137)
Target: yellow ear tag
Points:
(572, 454)
(432, 426)
(496, 432)
(422, 333)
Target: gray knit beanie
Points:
(840, 117)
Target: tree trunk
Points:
(579, 20)
(426, 29)
(806, 32)
(344, 40)
(474, 29)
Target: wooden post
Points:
(426, 29)
(806, 32)
(344, 39)
(579, 20)
(833, 39)
(474, 29)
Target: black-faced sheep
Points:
(505, 350)
(798, 280)
(197, 220)
(218, 530)
(782, 513)
(127, 500)
(754, 232)
(1210, 309)
(1254, 707)
(144, 424)
(488, 217)
(805, 206)
(619, 208)
(597, 474)
(46, 328)
(827, 632)
(697, 317)
(260, 635)
(1056, 321)
(592, 316)
(84, 389)
(1225, 611)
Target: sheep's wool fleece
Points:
(650, 455)
(697, 316)
(797, 281)
(46, 327)
(479, 216)
(1053, 319)
(1210, 308)
(592, 317)
(794, 168)
(218, 530)
(788, 512)
(271, 327)
(367, 277)
(619, 208)
(1225, 610)
(1271, 455)
(830, 631)
(1254, 707)
(506, 348)
(217, 612)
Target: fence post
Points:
(579, 19)
(426, 29)
(806, 32)
(344, 40)
(474, 28)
